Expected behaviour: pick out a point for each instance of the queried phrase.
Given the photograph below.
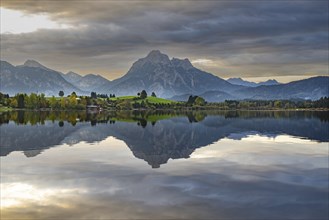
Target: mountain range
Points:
(241, 82)
(169, 78)
(156, 72)
(32, 77)
(90, 82)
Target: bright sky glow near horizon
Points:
(16, 22)
(248, 39)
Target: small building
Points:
(93, 108)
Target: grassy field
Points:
(159, 100)
(123, 98)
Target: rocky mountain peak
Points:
(157, 57)
(70, 73)
(33, 63)
(185, 63)
(272, 81)
(72, 77)
(269, 82)
(94, 76)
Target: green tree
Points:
(33, 101)
(63, 103)
(73, 101)
(143, 94)
(93, 95)
(13, 103)
(278, 104)
(199, 101)
(61, 93)
(53, 102)
(42, 101)
(191, 99)
(20, 101)
(153, 94)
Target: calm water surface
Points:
(196, 165)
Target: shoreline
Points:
(8, 109)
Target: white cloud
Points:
(204, 62)
(16, 22)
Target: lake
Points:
(164, 165)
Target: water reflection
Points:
(251, 178)
(154, 137)
(242, 165)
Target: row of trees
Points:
(28, 101)
(94, 95)
(72, 101)
(271, 104)
(39, 101)
(143, 94)
(144, 117)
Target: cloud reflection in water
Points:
(230, 179)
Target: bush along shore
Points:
(101, 102)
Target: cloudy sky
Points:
(280, 39)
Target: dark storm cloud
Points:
(251, 35)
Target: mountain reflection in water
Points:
(154, 137)
(241, 165)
